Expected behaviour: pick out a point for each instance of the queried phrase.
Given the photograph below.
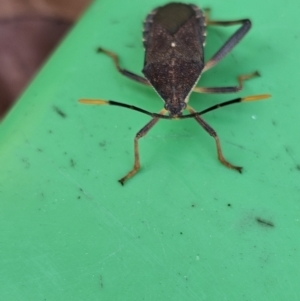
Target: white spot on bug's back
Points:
(173, 44)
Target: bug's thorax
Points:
(174, 36)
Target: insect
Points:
(174, 38)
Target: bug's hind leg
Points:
(231, 42)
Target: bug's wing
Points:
(173, 38)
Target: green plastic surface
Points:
(185, 228)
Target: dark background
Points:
(29, 31)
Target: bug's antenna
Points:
(227, 103)
(131, 107)
(124, 105)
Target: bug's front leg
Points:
(213, 133)
(140, 134)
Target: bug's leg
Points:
(140, 134)
(213, 133)
(233, 89)
(125, 72)
(231, 42)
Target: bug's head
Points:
(175, 109)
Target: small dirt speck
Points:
(264, 222)
(72, 163)
(102, 143)
(59, 112)
(101, 282)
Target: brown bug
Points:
(174, 37)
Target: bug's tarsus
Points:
(136, 165)
(256, 74)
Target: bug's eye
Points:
(183, 105)
(167, 106)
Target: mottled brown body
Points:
(174, 37)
